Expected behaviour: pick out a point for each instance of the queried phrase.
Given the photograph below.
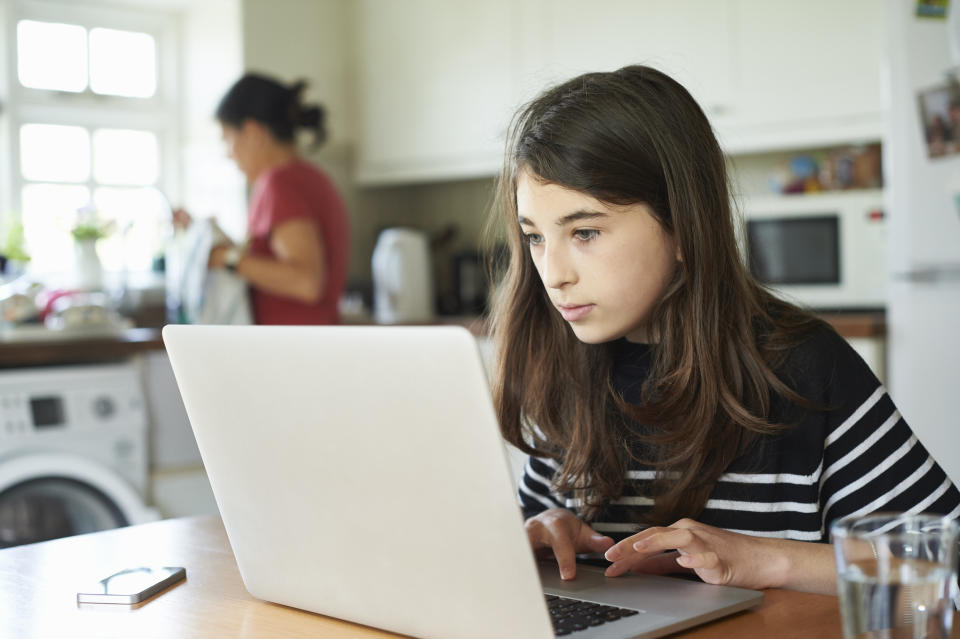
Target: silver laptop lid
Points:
(360, 474)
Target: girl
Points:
(296, 258)
(667, 399)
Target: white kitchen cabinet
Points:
(435, 88)
(439, 80)
(688, 39)
(806, 74)
(770, 75)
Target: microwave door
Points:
(802, 251)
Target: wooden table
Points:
(39, 582)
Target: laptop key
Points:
(573, 615)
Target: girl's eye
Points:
(533, 238)
(586, 234)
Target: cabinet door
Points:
(436, 89)
(688, 39)
(807, 72)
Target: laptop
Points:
(360, 474)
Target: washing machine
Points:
(73, 451)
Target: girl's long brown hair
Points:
(626, 137)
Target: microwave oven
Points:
(825, 251)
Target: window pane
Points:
(124, 156)
(48, 213)
(140, 217)
(54, 153)
(51, 55)
(123, 63)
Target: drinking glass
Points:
(896, 575)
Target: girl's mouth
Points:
(574, 313)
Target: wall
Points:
(6, 200)
(210, 62)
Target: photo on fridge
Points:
(940, 117)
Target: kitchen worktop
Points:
(60, 348)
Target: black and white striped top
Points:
(857, 458)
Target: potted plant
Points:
(86, 232)
(13, 254)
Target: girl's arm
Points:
(722, 557)
(298, 272)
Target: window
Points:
(92, 120)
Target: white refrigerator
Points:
(923, 233)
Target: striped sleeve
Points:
(872, 460)
(535, 492)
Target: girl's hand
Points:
(559, 530)
(716, 555)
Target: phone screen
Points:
(132, 585)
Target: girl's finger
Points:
(707, 565)
(669, 539)
(597, 542)
(662, 564)
(624, 547)
(564, 552)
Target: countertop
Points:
(62, 349)
(39, 582)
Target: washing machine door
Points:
(46, 496)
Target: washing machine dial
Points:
(104, 407)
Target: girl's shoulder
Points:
(821, 348)
(827, 370)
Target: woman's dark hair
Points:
(274, 105)
(626, 137)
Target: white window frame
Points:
(159, 114)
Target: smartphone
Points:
(132, 585)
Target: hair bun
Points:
(297, 88)
(310, 117)
(313, 118)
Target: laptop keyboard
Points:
(572, 615)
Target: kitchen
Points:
(416, 140)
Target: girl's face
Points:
(604, 267)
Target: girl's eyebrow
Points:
(524, 221)
(576, 216)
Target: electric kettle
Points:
(402, 282)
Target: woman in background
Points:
(296, 255)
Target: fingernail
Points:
(640, 545)
(683, 560)
(613, 554)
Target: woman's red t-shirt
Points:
(290, 192)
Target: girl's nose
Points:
(557, 269)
